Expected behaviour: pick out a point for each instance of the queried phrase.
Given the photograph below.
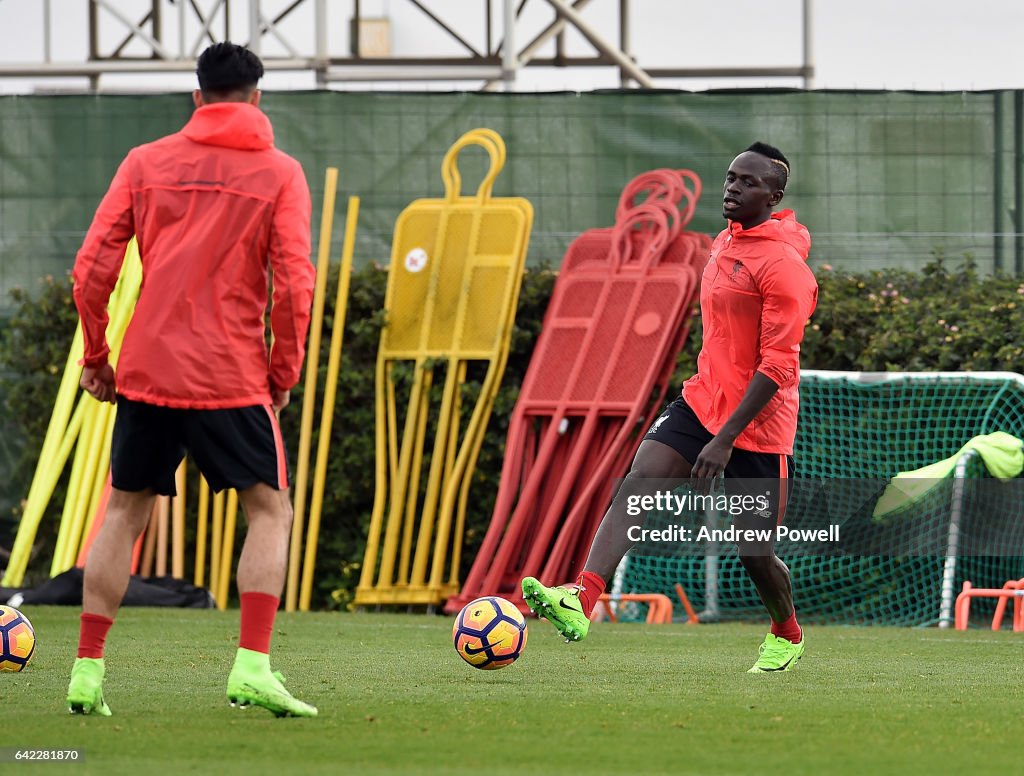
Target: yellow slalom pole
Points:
(70, 435)
(391, 421)
(85, 484)
(199, 578)
(178, 524)
(64, 452)
(74, 494)
(121, 309)
(56, 450)
(327, 411)
(99, 482)
(50, 466)
(227, 548)
(93, 443)
(163, 513)
(309, 394)
(446, 417)
(403, 483)
(413, 494)
(447, 479)
(385, 471)
(94, 478)
(216, 537)
(149, 545)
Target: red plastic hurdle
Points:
(659, 607)
(1013, 588)
(619, 314)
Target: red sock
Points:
(258, 612)
(93, 634)
(591, 587)
(789, 629)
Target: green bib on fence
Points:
(1002, 454)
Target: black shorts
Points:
(747, 473)
(233, 448)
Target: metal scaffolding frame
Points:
(495, 64)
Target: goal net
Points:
(857, 430)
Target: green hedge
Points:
(33, 351)
(938, 319)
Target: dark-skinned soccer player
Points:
(737, 416)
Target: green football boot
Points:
(777, 654)
(251, 683)
(85, 690)
(558, 605)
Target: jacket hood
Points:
(783, 227)
(231, 125)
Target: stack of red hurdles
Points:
(619, 314)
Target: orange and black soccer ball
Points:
(489, 633)
(17, 639)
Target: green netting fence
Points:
(856, 431)
(882, 179)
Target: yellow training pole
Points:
(391, 421)
(450, 475)
(92, 479)
(78, 464)
(99, 482)
(384, 471)
(56, 448)
(50, 466)
(71, 435)
(403, 484)
(93, 443)
(178, 524)
(83, 488)
(149, 545)
(163, 514)
(436, 474)
(327, 411)
(199, 578)
(64, 452)
(309, 394)
(227, 548)
(462, 499)
(413, 495)
(216, 537)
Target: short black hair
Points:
(780, 164)
(227, 67)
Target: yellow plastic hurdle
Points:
(456, 270)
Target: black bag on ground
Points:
(66, 589)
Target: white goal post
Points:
(871, 425)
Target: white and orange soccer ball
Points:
(489, 633)
(17, 639)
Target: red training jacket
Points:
(756, 295)
(214, 207)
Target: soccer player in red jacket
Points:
(218, 212)
(737, 416)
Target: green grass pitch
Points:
(632, 699)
